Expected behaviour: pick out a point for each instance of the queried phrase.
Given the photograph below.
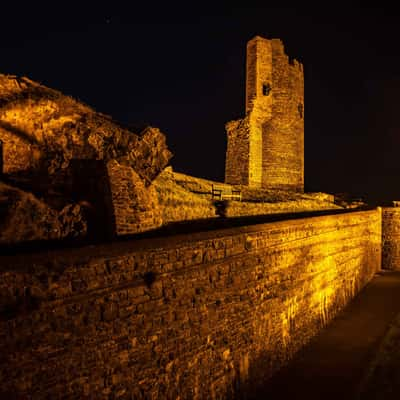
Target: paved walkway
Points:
(334, 363)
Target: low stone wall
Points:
(391, 238)
(242, 208)
(205, 316)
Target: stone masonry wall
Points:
(391, 238)
(205, 316)
(45, 134)
(42, 127)
(259, 105)
(237, 152)
(283, 135)
(18, 152)
(259, 67)
(135, 206)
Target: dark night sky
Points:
(183, 70)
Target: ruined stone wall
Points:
(199, 317)
(391, 238)
(283, 134)
(46, 136)
(237, 152)
(17, 152)
(274, 144)
(24, 218)
(259, 69)
(36, 122)
(135, 206)
(39, 125)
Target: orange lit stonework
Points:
(266, 147)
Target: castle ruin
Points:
(58, 154)
(208, 314)
(266, 148)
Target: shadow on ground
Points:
(356, 357)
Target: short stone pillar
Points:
(391, 236)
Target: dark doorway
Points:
(91, 186)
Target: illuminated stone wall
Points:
(269, 153)
(18, 152)
(391, 238)
(237, 152)
(190, 317)
(43, 127)
(135, 206)
(45, 135)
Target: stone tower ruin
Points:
(266, 148)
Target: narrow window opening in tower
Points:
(300, 108)
(266, 88)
